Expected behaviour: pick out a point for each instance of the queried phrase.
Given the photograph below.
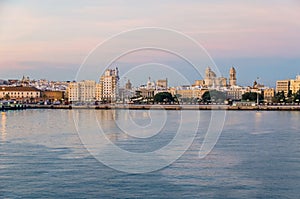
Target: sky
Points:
(52, 38)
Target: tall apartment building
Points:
(283, 85)
(82, 91)
(295, 84)
(89, 90)
(108, 86)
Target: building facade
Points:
(53, 96)
(88, 90)
(283, 85)
(210, 77)
(236, 92)
(23, 93)
(162, 84)
(189, 93)
(295, 84)
(83, 91)
(269, 94)
(108, 86)
(212, 81)
(199, 83)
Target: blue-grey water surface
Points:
(256, 156)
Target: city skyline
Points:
(49, 41)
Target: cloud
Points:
(67, 30)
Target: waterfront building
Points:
(82, 91)
(188, 92)
(99, 92)
(269, 94)
(23, 93)
(295, 84)
(108, 88)
(73, 92)
(283, 85)
(53, 96)
(236, 92)
(147, 93)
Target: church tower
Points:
(232, 77)
(210, 77)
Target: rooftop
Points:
(18, 88)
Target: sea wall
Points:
(172, 107)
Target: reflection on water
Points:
(43, 157)
(3, 126)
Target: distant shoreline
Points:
(172, 107)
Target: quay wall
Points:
(172, 107)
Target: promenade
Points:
(172, 107)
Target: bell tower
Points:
(232, 77)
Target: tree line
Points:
(214, 96)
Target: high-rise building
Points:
(109, 85)
(295, 84)
(232, 77)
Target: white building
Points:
(108, 87)
(84, 91)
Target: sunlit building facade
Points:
(283, 85)
(108, 86)
(83, 91)
(295, 84)
(19, 92)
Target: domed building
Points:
(211, 79)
